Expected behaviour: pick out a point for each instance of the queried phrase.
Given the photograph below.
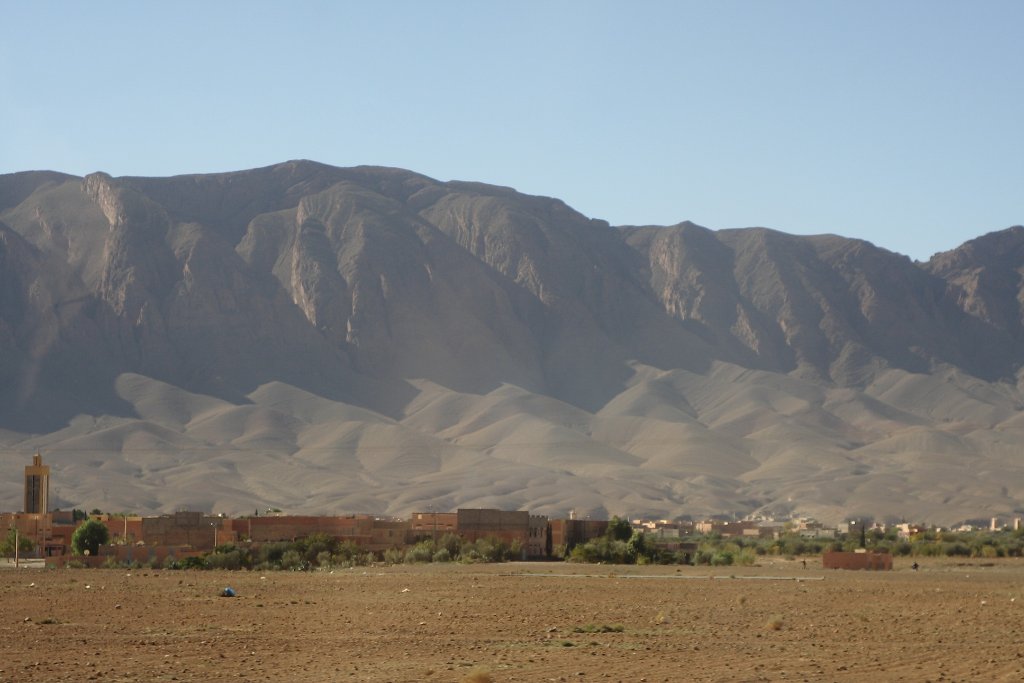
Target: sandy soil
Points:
(517, 622)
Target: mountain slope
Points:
(370, 339)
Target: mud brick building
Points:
(366, 531)
(183, 528)
(508, 526)
(568, 533)
(433, 524)
(856, 560)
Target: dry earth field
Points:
(517, 622)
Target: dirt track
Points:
(516, 622)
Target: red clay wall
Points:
(842, 560)
(181, 528)
(425, 524)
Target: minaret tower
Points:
(37, 486)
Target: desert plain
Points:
(948, 621)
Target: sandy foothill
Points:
(517, 622)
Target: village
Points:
(165, 540)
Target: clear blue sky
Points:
(897, 122)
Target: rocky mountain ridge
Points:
(681, 370)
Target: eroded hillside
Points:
(370, 339)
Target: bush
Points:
(957, 549)
(347, 552)
(450, 542)
(746, 557)
(232, 559)
(291, 559)
(313, 545)
(192, 563)
(419, 553)
(490, 549)
(722, 559)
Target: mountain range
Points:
(330, 340)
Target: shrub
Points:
(291, 559)
(746, 557)
(232, 560)
(192, 563)
(347, 552)
(421, 552)
(490, 549)
(450, 542)
(957, 549)
(271, 554)
(722, 559)
(313, 545)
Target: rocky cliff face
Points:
(836, 308)
(374, 287)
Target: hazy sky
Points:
(898, 122)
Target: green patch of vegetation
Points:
(12, 538)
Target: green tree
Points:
(636, 547)
(25, 544)
(89, 536)
(619, 529)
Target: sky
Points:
(895, 122)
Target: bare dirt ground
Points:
(517, 622)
